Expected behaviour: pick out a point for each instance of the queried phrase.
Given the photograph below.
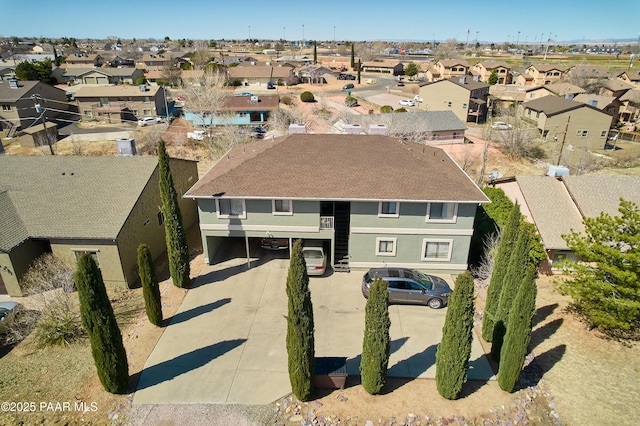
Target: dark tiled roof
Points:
(69, 196)
(337, 167)
(552, 105)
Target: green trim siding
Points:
(259, 212)
(412, 215)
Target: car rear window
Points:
(312, 254)
(367, 278)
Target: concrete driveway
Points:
(226, 343)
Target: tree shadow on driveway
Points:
(194, 312)
(170, 369)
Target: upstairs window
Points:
(282, 207)
(231, 208)
(442, 212)
(388, 209)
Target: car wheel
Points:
(435, 303)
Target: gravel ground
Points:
(201, 414)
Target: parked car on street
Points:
(501, 125)
(410, 286)
(348, 86)
(407, 102)
(314, 257)
(274, 243)
(243, 94)
(417, 98)
(149, 120)
(401, 83)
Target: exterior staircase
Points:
(341, 250)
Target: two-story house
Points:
(464, 96)
(606, 104)
(103, 76)
(121, 103)
(484, 69)
(374, 200)
(85, 60)
(540, 74)
(572, 126)
(70, 205)
(150, 61)
(18, 101)
(630, 77)
(630, 108)
(447, 68)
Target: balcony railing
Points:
(326, 222)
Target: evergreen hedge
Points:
(100, 324)
(307, 97)
(376, 346)
(454, 350)
(150, 288)
(518, 336)
(300, 327)
(177, 249)
(500, 265)
(518, 266)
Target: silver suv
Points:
(410, 286)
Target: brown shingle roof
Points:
(243, 103)
(337, 167)
(258, 71)
(120, 90)
(552, 105)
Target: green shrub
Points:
(59, 330)
(307, 97)
(350, 101)
(376, 343)
(236, 82)
(141, 80)
(400, 110)
(386, 109)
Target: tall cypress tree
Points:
(454, 350)
(177, 249)
(300, 340)
(518, 266)
(518, 336)
(359, 67)
(150, 288)
(315, 52)
(353, 56)
(100, 324)
(500, 265)
(376, 346)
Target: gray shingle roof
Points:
(337, 167)
(9, 95)
(551, 209)
(597, 194)
(412, 121)
(68, 196)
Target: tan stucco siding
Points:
(107, 252)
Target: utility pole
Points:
(40, 109)
(564, 137)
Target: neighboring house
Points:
(630, 108)
(36, 136)
(250, 75)
(542, 74)
(336, 63)
(557, 206)
(120, 62)
(121, 103)
(484, 69)
(447, 68)
(70, 205)
(374, 200)
(237, 110)
(606, 104)
(101, 76)
(613, 87)
(465, 97)
(563, 89)
(295, 59)
(18, 100)
(33, 57)
(314, 74)
(7, 73)
(575, 127)
(523, 79)
(85, 60)
(385, 67)
(426, 127)
(630, 77)
(156, 60)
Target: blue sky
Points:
(353, 20)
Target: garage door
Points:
(102, 80)
(89, 80)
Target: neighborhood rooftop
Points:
(338, 167)
(85, 197)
